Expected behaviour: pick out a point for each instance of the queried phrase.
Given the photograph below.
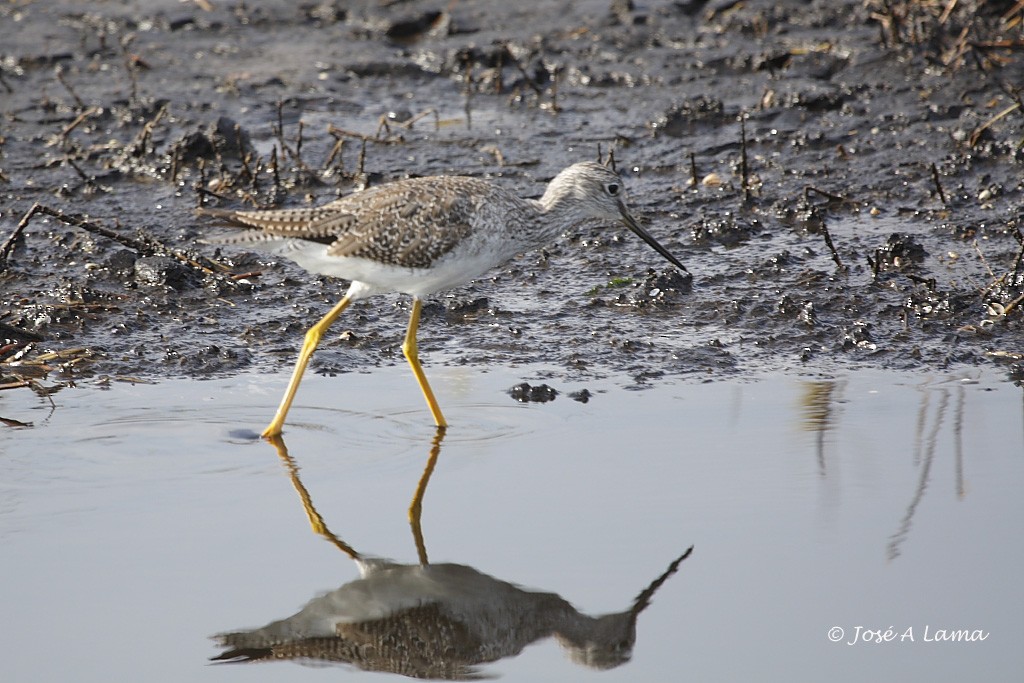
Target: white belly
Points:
(451, 270)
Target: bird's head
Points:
(597, 191)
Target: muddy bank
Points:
(844, 180)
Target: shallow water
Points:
(138, 521)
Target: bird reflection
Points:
(437, 621)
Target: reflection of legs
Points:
(315, 520)
(416, 506)
(412, 355)
(313, 336)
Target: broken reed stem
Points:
(254, 173)
(131, 68)
(830, 245)
(468, 82)
(555, 73)
(143, 245)
(278, 191)
(977, 132)
(8, 246)
(86, 178)
(744, 171)
(408, 124)
(245, 156)
(528, 79)
(335, 153)
(1012, 305)
(607, 161)
(200, 185)
(294, 154)
(1020, 255)
(279, 128)
(938, 185)
(339, 132)
(78, 121)
(499, 81)
(145, 136)
(299, 166)
(59, 73)
(824, 227)
(382, 126)
(693, 169)
(875, 263)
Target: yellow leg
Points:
(412, 355)
(315, 519)
(416, 506)
(313, 336)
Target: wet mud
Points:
(844, 180)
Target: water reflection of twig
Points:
(958, 441)
(922, 420)
(925, 445)
(819, 401)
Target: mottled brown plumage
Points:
(408, 223)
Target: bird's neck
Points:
(599, 642)
(556, 212)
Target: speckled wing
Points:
(412, 223)
(408, 223)
(276, 222)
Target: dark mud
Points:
(843, 179)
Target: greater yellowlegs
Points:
(423, 235)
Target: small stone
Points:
(583, 395)
(527, 393)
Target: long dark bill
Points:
(646, 237)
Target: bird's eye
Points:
(612, 188)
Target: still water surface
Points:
(138, 521)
